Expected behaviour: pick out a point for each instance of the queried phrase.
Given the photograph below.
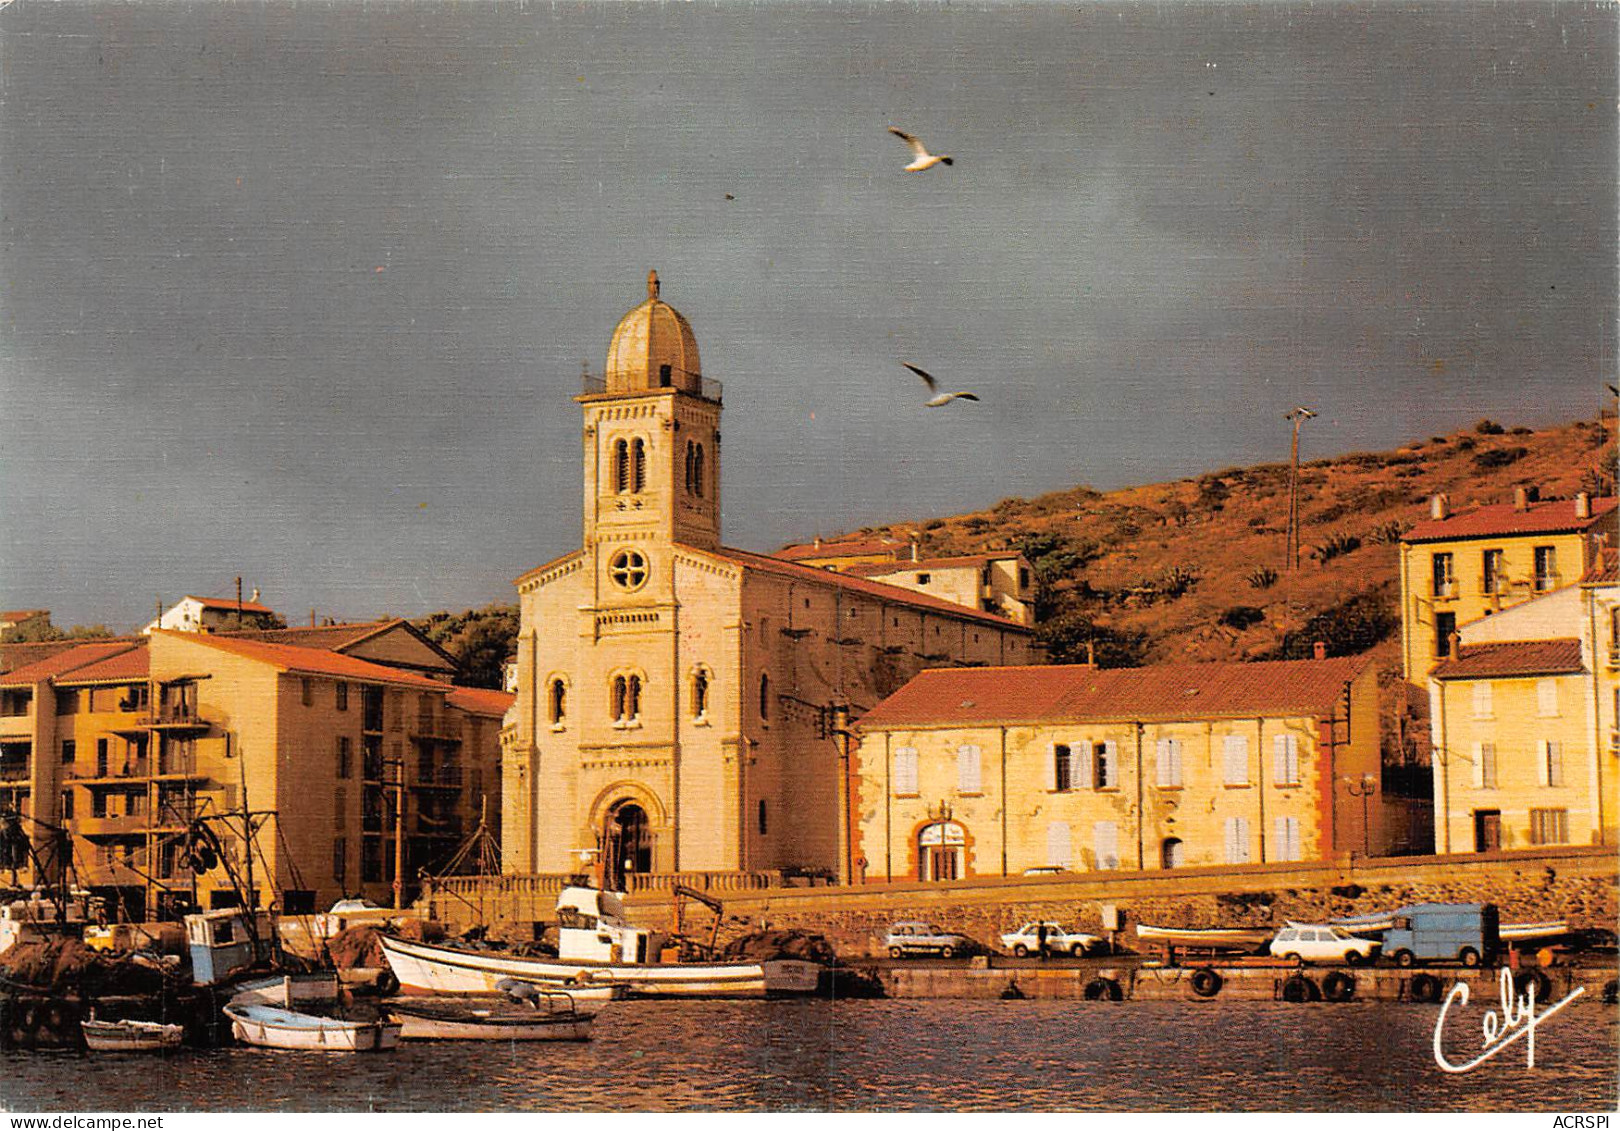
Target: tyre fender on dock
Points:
(1299, 988)
(1206, 982)
(1424, 988)
(1339, 986)
(1524, 979)
(1611, 992)
(1104, 989)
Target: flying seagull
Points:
(933, 387)
(922, 159)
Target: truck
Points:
(1466, 932)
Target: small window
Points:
(664, 372)
(1062, 778)
(1492, 574)
(905, 771)
(924, 578)
(1551, 763)
(1445, 625)
(1546, 568)
(557, 702)
(1169, 758)
(626, 698)
(764, 824)
(1235, 759)
(306, 691)
(1484, 765)
(765, 698)
(700, 693)
(1445, 583)
(621, 466)
(627, 569)
(340, 859)
(70, 750)
(1549, 826)
(67, 805)
(638, 466)
(342, 691)
(345, 756)
(1105, 766)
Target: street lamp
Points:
(1362, 787)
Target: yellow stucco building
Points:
(678, 699)
(993, 771)
(126, 744)
(1457, 568)
(1523, 719)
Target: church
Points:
(681, 705)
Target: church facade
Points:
(682, 705)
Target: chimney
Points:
(818, 542)
(1319, 650)
(914, 556)
(1521, 498)
(1456, 646)
(1091, 654)
(312, 618)
(1439, 507)
(1583, 505)
(255, 596)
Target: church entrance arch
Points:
(626, 844)
(941, 851)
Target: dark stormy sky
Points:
(302, 291)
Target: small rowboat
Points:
(1225, 938)
(467, 1018)
(271, 1027)
(130, 1036)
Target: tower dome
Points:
(653, 348)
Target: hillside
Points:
(1196, 569)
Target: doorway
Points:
(1487, 830)
(941, 852)
(1172, 854)
(626, 844)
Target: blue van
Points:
(1466, 932)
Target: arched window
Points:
(689, 467)
(638, 469)
(621, 466)
(626, 699)
(765, 698)
(697, 470)
(557, 701)
(700, 693)
(618, 698)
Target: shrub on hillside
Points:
(1066, 638)
(1242, 616)
(1263, 578)
(1348, 628)
(1386, 533)
(1336, 546)
(1488, 427)
(1499, 457)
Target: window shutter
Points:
(1105, 843)
(1235, 749)
(905, 770)
(1051, 767)
(1059, 853)
(1487, 763)
(1169, 761)
(1237, 840)
(967, 769)
(1163, 751)
(1285, 832)
(1084, 766)
(1285, 760)
(1547, 697)
(1111, 765)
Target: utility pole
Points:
(1298, 416)
(399, 833)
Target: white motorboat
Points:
(552, 1017)
(271, 1027)
(597, 950)
(266, 1013)
(130, 1036)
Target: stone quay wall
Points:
(1577, 884)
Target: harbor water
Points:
(885, 1055)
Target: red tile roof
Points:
(129, 666)
(229, 604)
(1499, 520)
(853, 548)
(16, 616)
(14, 656)
(59, 664)
(481, 700)
(1512, 658)
(952, 697)
(964, 561)
(308, 661)
(764, 563)
(331, 636)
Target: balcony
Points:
(1445, 590)
(173, 718)
(112, 826)
(11, 771)
(178, 768)
(444, 777)
(125, 772)
(435, 730)
(591, 386)
(441, 826)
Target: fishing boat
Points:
(553, 1016)
(1214, 938)
(272, 1027)
(1376, 922)
(597, 950)
(281, 1013)
(130, 1036)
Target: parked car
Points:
(1059, 940)
(915, 937)
(1305, 943)
(1467, 932)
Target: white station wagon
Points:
(1305, 943)
(1059, 940)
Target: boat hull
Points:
(448, 1022)
(130, 1036)
(423, 968)
(272, 1028)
